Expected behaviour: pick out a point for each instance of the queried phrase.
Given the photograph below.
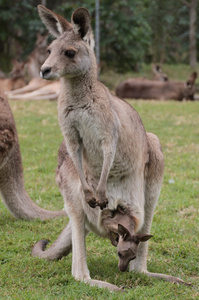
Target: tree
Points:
(192, 34)
(125, 34)
(131, 31)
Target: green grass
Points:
(174, 248)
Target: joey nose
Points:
(45, 72)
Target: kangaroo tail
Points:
(168, 278)
(61, 247)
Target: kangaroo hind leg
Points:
(153, 180)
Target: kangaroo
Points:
(2, 74)
(157, 90)
(158, 74)
(120, 227)
(49, 91)
(17, 78)
(34, 84)
(106, 159)
(12, 188)
(36, 57)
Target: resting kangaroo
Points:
(17, 78)
(107, 159)
(12, 188)
(157, 90)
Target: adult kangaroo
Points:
(107, 159)
(12, 188)
(158, 74)
(137, 88)
(16, 80)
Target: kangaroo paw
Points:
(90, 199)
(6, 140)
(102, 200)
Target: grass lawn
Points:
(174, 249)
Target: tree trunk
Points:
(192, 35)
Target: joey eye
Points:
(70, 53)
(119, 254)
(48, 51)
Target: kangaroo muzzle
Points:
(45, 73)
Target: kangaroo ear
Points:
(56, 24)
(194, 76)
(81, 23)
(113, 238)
(123, 232)
(158, 69)
(141, 238)
(192, 79)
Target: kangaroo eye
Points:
(70, 53)
(48, 51)
(120, 255)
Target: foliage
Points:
(18, 28)
(124, 31)
(125, 34)
(170, 26)
(174, 248)
(132, 32)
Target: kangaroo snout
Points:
(122, 266)
(45, 72)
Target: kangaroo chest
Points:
(82, 125)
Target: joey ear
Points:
(123, 231)
(81, 23)
(113, 238)
(141, 238)
(56, 24)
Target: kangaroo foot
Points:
(104, 284)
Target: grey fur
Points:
(12, 188)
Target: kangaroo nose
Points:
(45, 72)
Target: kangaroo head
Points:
(41, 41)
(190, 87)
(158, 73)
(71, 54)
(128, 245)
(17, 70)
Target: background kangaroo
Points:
(107, 159)
(36, 58)
(17, 79)
(157, 90)
(158, 74)
(49, 92)
(12, 188)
